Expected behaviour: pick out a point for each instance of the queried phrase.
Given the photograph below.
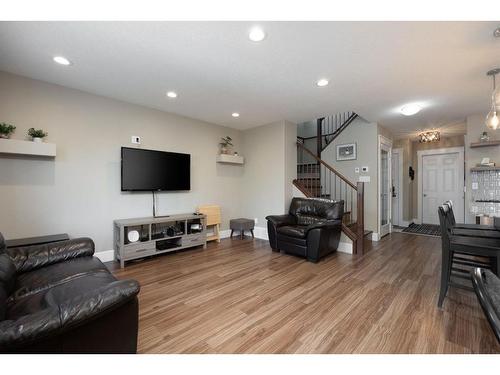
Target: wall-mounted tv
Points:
(149, 170)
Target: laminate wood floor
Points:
(240, 297)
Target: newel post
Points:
(360, 217)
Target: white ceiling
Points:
(374, 67)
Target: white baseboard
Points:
(225, 233)
(345, 247)
(105, 256)
(375, 237)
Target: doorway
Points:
(385, 186)
(441, 178)
(397, 186)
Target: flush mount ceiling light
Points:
(322, 82)
(492, 120)
(61, 60)
(172, 94)
(256, 34)
(410, 109)
(431, 136)
(235, 114)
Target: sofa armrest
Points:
(75, 312)
(280, 220)
(28, 258)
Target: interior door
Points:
(442, 180)
(385, 189)
(396, 201)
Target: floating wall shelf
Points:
(485, 144)
(230, 159)
(18, 147)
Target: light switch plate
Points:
(356, 170)
(136, 140)
(364, 169)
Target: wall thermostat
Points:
(136, 140)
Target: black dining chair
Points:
(487, 288)
(462, 249)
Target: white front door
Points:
(396, 201)
(385, 187)
(442, 180)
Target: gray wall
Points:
(270, 167)
(365, 135)
(79, 191)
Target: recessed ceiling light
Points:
(322, 82)
(61, 60)
(172, 94)
(410, 109)
(235, 114)
(256, 34)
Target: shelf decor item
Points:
(6, 130)
(346, 152)
(226, 143)
(37, 135)
(484, 137)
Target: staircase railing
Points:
(318, 179)
(332, 126)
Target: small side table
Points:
(241, 225)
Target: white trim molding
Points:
(400, 151)
(105, 256)
(436, 151)
(386, 143)
(375, 237)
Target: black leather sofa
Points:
(58, 298)
(311, 229)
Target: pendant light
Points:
(492, 120)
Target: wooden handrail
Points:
(340, 175)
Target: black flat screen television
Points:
(149, 170)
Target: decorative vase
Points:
(484, 137)
(37, 139)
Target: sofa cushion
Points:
(7, 281)
(312, 210)
(55, 274)
(58, 293)
(297, 231)
(2, 244)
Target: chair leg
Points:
(251, 231)
(446, 262)
(496, 265)
(242, 233)
(217, 227)
(232, 230)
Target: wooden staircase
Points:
(318, 179)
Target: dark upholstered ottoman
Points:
(241, 225)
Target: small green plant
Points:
(226, 141)
(6, 129)
(37, 133)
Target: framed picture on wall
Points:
(346, 152)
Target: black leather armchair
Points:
(58, 298)
(311, 229)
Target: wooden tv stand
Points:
(156, 237)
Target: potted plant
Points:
(225, 145)
(6, 130)
(37, 135)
